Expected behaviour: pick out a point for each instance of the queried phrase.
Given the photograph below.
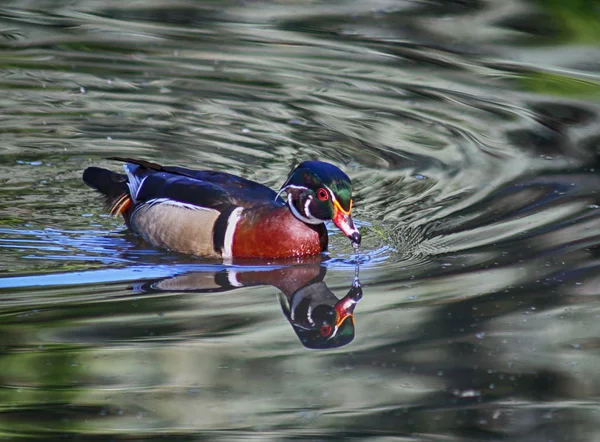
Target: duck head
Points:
(318, 192)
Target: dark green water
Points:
(471, 131)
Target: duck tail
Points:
(112, 185)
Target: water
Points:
(471, 133)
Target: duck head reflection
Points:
(319, 318)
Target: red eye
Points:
(322, 194)
(325, 330)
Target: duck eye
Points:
(322, 194)
(325, 330)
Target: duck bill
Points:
(343, 221)
(344, 309)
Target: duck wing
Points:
(152, 182)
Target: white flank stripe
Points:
(232, 277)
(231, 225)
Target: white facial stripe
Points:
(300, 216)
(232, 221)
(333, 199)
(290, 186)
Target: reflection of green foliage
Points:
(39, 378)
(11, 221)
(579, 19)
(377, 230)
(559, 85)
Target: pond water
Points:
(471, 131)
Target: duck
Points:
(319, 318)
(216, 214)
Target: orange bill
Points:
(343, 221)
(344, 309)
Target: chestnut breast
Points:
(276, 233)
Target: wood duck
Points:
(219, 215)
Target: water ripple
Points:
(470, 131)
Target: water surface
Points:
(471, 132)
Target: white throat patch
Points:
(299, 215)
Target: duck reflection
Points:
(319, 318)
